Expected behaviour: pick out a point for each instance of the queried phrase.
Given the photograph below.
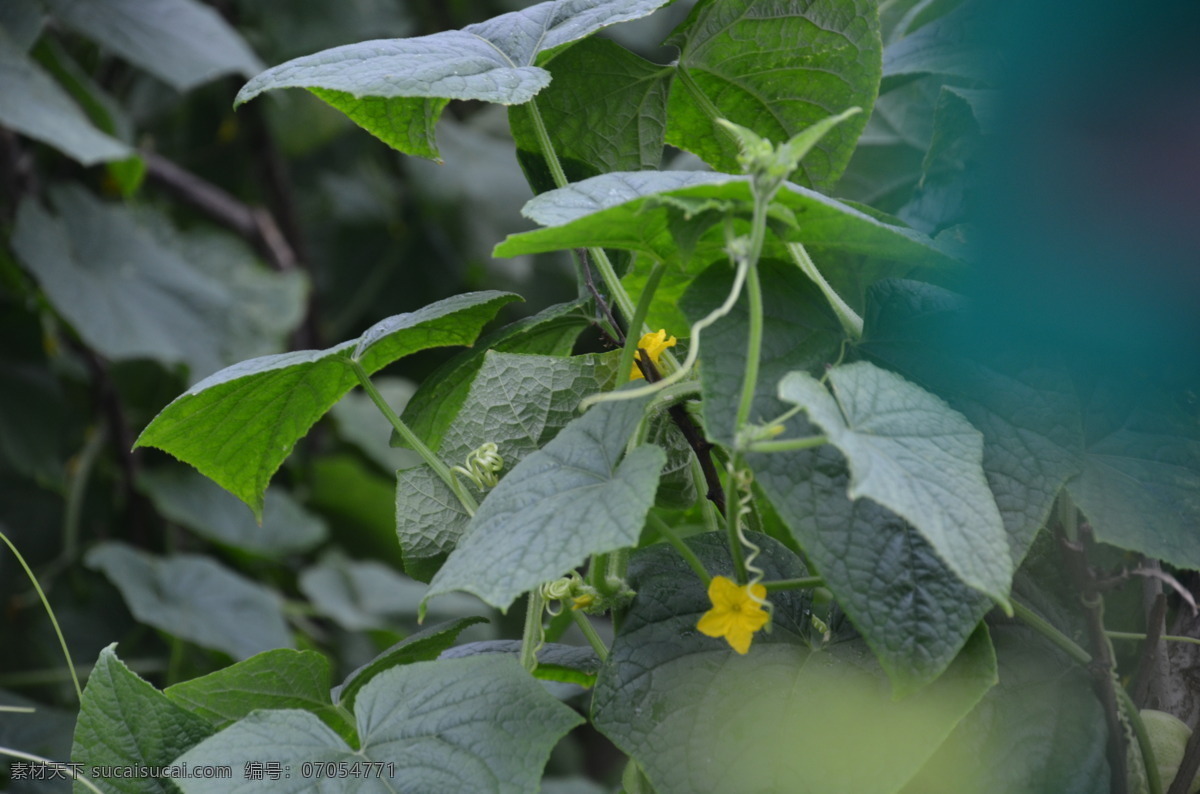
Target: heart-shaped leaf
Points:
(559, 505)
(913, 454)
(397, 88)
(479, 724)
(238, 425)
(809, 60)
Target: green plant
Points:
(814, 547)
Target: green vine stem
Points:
(639, 319)
(852, 324)
(1129, 635)
(49, 612)
(787, 444)
(532, 637)
(441, 469)
(803, 583)
(684, 550)
(589, 632)
(758, 232)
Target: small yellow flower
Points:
(582, 602)
(735, 614)
(654, 344)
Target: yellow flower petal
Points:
(654, 344)
(735, 614)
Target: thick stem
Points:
(589, 633)
(531, 638)
(639, 318)
(411, 439)
(753, 348)
(684, 550)
(804, 583)
(788, 444)
(733, 514)
(1044, 627)
(1153, 780)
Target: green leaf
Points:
(360, 595)
(33, 104)
(183, 42)
(479, 725)
(952, 45)
(429, 521)
(238, 425)
(279, 679)
(606, 110)
(1027, 411)
(807, 61)
(397, 88)
(568, 664)
(1039, 731)
(1139, 480)
(559, 505)
(423, 646)
(194, 598)
(184, 496)
(517, 402)
(699, 718)
(911, 453)
(550, 332)
(913, 611)
(135, 288)
(622, 210)
(126, 722)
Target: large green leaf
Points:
(631, 211)
(479, 724)
(912, 453)
(912, 610)
(194, 598)
(1027, 411)
(550, 332)
(183, 42)
(606, 110)
(952, 45)
(422, 646)
(1039, 731)
(1129, 454)
(1139, 480)
(182, 495)
(22, 21)
(777, 67)
(33, 104)
(366, 594)
(279, 679)
(397, 88)
(134, 287)
(517, 402)
(125, 722)
(699, 718)
(559, 505)
(238, 425)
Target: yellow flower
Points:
(735, 614)
(654, 344)
(582, 602)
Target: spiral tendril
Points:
(742, 480)
(483, 464)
